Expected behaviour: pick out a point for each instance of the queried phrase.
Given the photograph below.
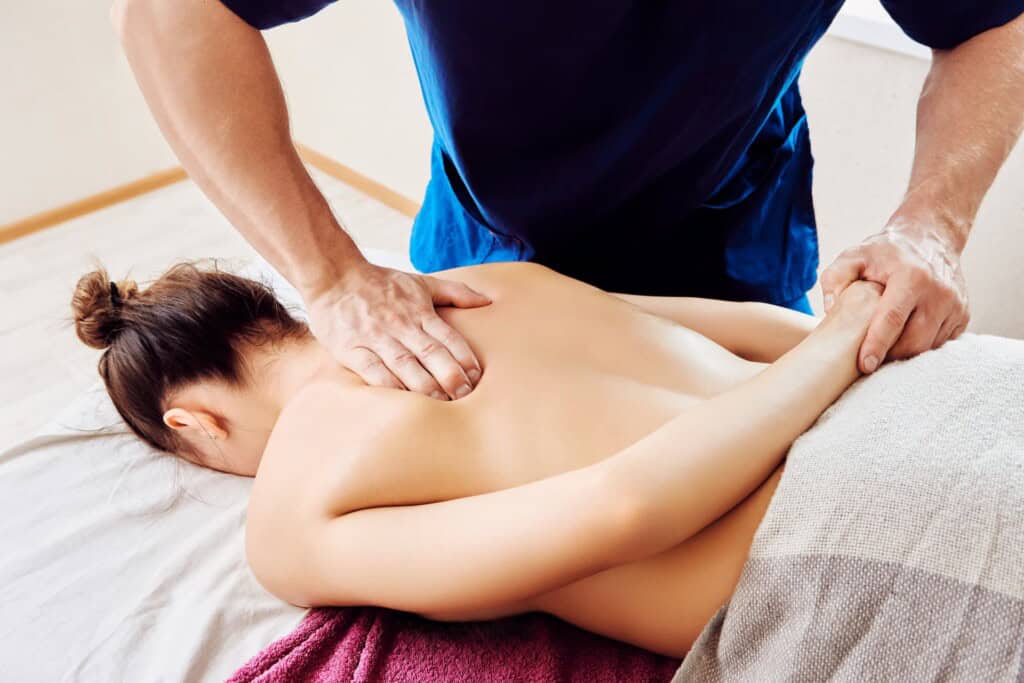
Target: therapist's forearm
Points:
(211, 85)
(970, 115)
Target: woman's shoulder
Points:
(333, 450)
(323, 409)
(515, 274)
(339, 444)
(501, 269)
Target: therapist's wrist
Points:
(333, 262)
(942, 218)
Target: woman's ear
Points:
(202, 423)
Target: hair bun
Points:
(98, 317)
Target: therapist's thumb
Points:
(843, 272)
(451, 293)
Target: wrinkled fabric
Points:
(893, 547)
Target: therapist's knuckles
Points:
(369, 367)
(415, 378)
(935, 308)
(916, 336)
(954, 325)
(885, 329)
(440, 331)
(454, 382)
(438, 360)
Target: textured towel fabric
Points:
(893, 549)
(370, 645)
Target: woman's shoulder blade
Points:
(343, 445)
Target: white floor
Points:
(42, 363)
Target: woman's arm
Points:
(755, 331)
(481, 552)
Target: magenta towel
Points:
(371, 645)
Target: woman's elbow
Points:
(273, 571)
(625, 522)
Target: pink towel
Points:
(370, 645)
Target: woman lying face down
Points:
(197, 364)
(611, 467)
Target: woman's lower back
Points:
(663, 602)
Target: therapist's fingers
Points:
(845, 270)
(404, 360)
(898, 302)
(918, 334)
(452, 293)
(947, 328)
(945, 332)
(370, 367)
(435, 357)
(954, 326)
(456, 345)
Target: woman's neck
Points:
(238, 421)
(281, 372)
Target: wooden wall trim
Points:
(368, 186)
(27, 226)
(378, 191)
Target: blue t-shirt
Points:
(646, 146)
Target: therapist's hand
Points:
(381, 324)
(925, 299)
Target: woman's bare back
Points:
(572, 375)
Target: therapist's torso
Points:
(649, 146)
(656, 147)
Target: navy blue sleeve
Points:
(264, 14)
(944, 24)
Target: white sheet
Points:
(120, 563)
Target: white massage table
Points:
(120, 563)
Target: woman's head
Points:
(192, 329)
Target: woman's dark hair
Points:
(189, 325)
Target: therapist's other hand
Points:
(925, 299)
(381, 324)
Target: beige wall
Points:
(861, 106)
(353, 93)
(73, 124)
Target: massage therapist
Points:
(644, 147)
